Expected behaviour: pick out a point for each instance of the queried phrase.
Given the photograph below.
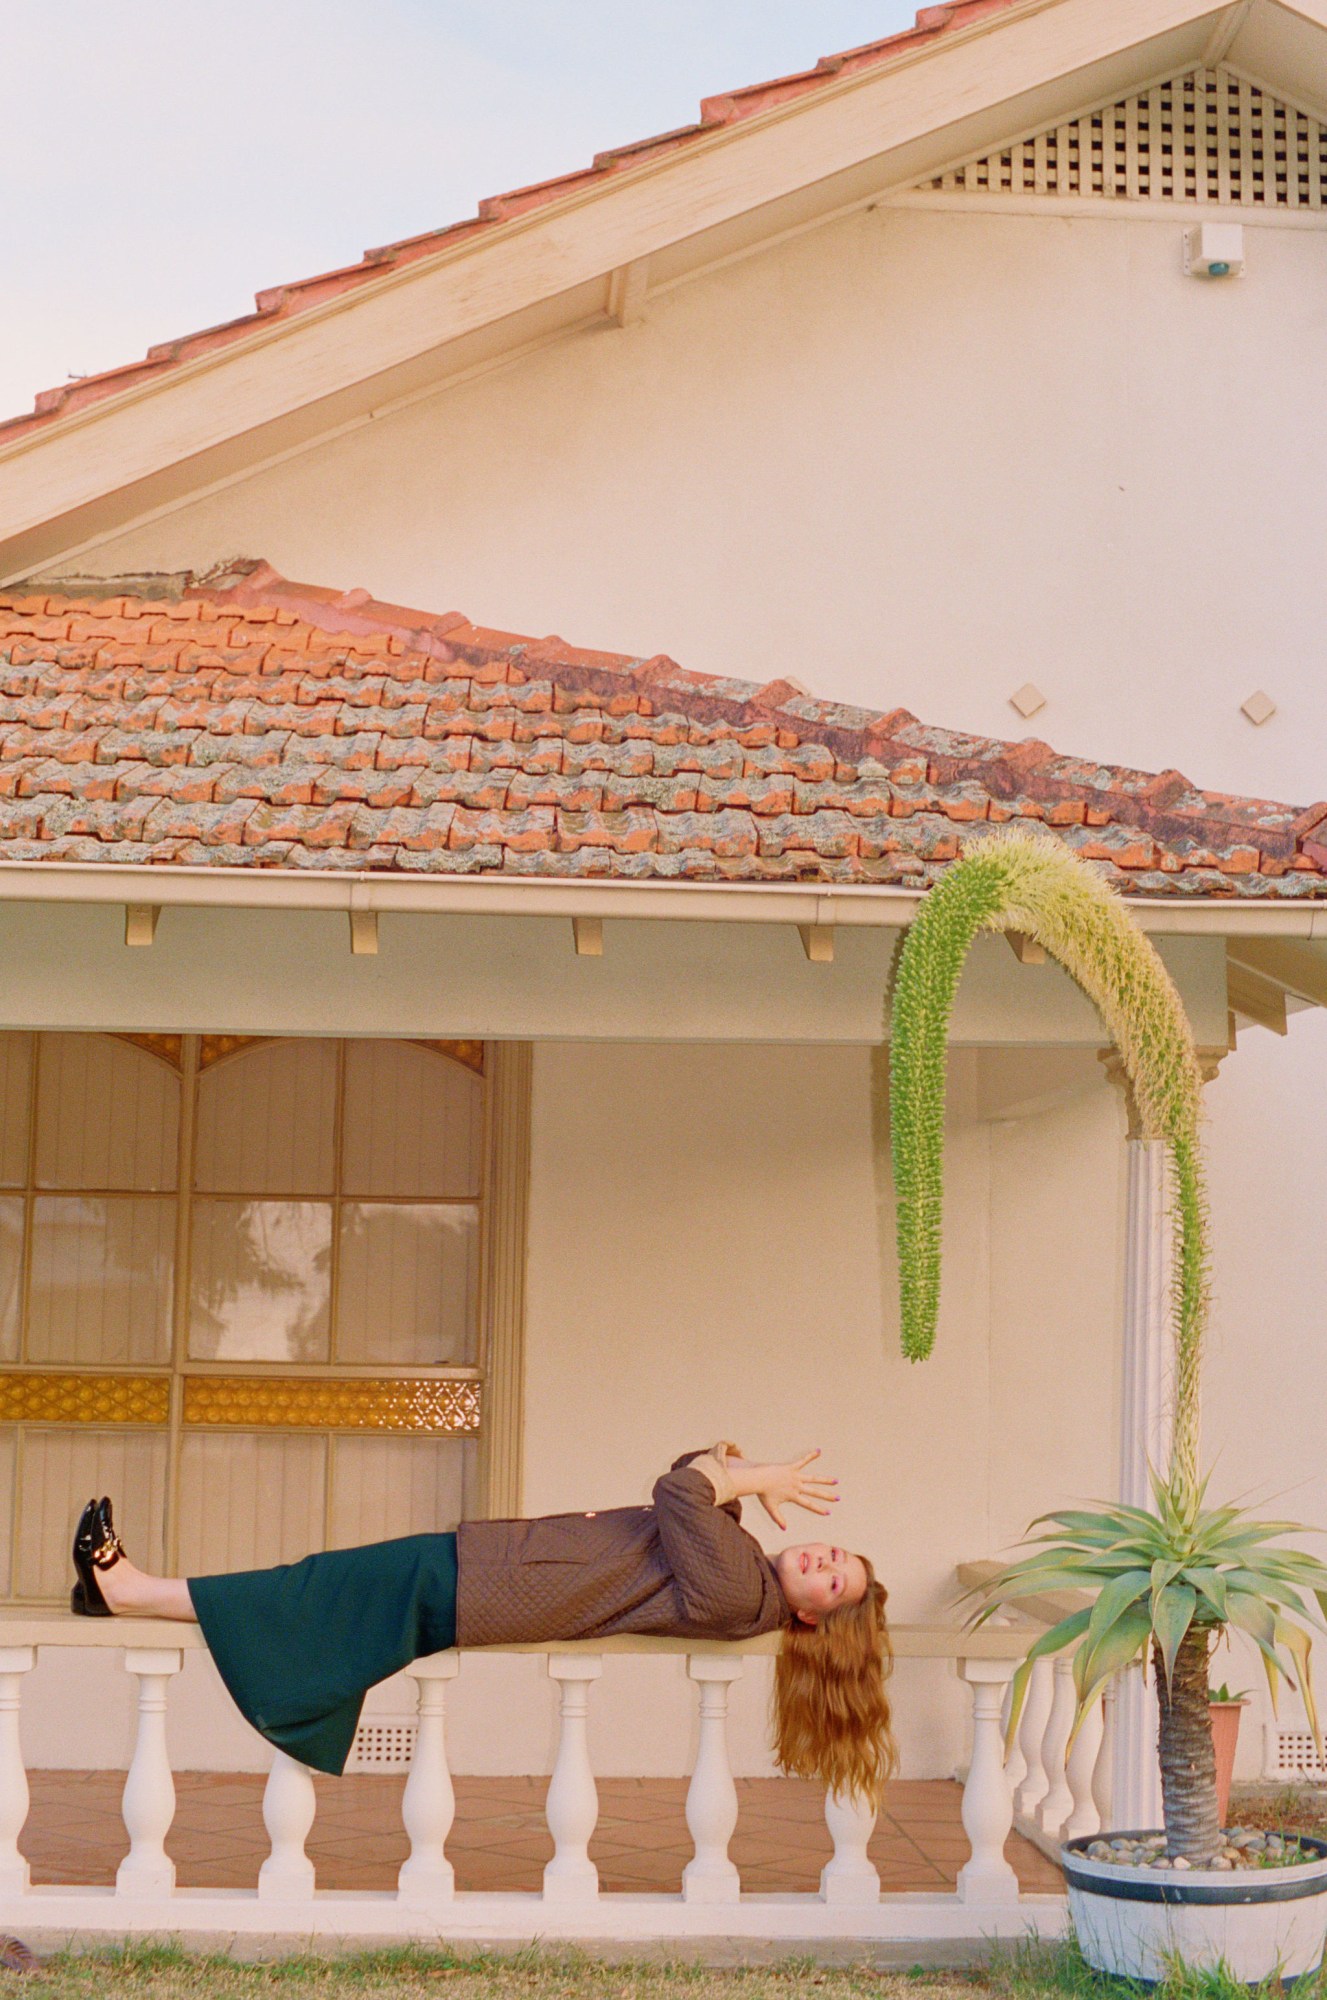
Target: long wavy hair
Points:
(831, 1711)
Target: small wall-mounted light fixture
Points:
(1214, 250)
(1259, 708)
(1027, 700)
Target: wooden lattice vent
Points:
(1209, 135)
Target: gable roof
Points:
(284, 302)
(586, 250)
(242, 720)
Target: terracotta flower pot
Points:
(1225, 1734)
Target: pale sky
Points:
(163, 160)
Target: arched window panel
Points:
(267, 1121)
(15, 1096)
(101, 1282)
(413, 1125)
(247, 1501)
(260, 1280)
(408, 1291)
(384, 1487)
(107, 1115)
(60, 1469)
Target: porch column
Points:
(1146, 1412)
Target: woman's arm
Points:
(720, 1572)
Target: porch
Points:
(499, 1839)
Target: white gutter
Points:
(516, 896)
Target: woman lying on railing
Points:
(298, 1646)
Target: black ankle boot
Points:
(96, 1546)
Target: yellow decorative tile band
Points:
(348, 1404)
(84, 1399)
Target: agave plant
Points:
(1169, 1580)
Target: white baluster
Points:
(1103, 1778)
(149, 1789)
(1058, 1803)
(429, 1805)
(572, 1806)
(709, 1876)
(850, 1877)
(1136, 1770)
(1031, 1736)
(1079, 1773)
(15, 1661)
(1015, 1763)
(988, 1806)
(289, 1804)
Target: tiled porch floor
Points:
(74, 1833)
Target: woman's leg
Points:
(132, 1593)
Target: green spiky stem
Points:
(1031, 883)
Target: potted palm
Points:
(1162, 1583)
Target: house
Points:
(374, 972)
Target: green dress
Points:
(299, 1646)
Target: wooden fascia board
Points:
(317, 354)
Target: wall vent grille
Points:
(383, 1743)
(1206, 136)
(1290, 1754)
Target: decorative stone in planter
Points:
(1260, 1922)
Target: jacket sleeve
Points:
(717, 1567)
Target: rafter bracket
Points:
(588, 936)
(1025, 949)
(627, 287)
(140, 922)
(364, 933)
(817, 942)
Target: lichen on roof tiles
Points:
(241, 719)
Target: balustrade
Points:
(850, 1901)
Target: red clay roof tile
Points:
(244, 720)
(283, 302)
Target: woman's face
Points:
(816, 1578)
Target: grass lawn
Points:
(1040, 1973)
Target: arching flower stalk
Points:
(1031, 883)
(1165, 1580)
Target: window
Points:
(239, 1290)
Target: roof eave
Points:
(853, 906)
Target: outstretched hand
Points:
(789, 1485)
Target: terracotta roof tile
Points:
(284, 302)
(246, 721)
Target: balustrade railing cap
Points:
(39, 1626)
